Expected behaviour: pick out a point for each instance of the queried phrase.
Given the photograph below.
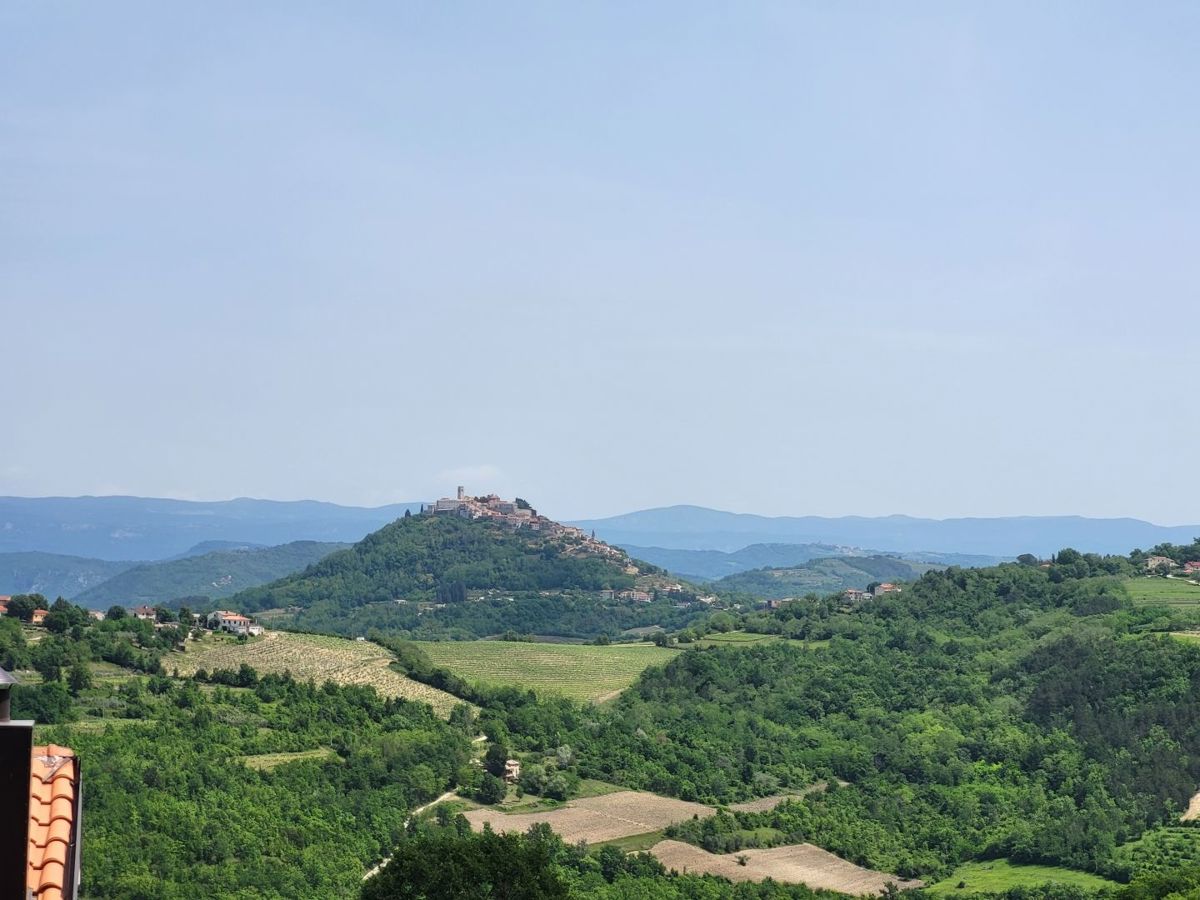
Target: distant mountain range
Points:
(54, 574)
(147, 529)
(698, 528)
(710, 565)
(213, 569)
(140, 528)
(215, 575)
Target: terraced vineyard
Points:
(319, 657)
(579, 671)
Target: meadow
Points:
(999, 875)
(1163, 592)
(319, 657)
(579, 671)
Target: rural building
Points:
(1191, 568)
(1155, 563)
(635, 596)
(512, 770)
(39, 616)
(886, 588)
(96, 614)
(145, 613)
(853, 595)
(233, 623)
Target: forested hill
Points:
(441, 557)
(824, 576)
(1021, 712)
(213, 575)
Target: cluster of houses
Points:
(220, 620)
(517, 514)
(851, 596)
(1166, 564)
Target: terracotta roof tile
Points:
(53, 787)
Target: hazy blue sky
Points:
(823, 258)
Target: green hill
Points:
(216, 575)
(824, 576)
(439, 557)
(53, 574)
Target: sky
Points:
(787, 258)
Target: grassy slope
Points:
(995, 876)
(579, 671)
(319, 657)
(1163, 592)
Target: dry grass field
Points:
(319, 657)
(597, 819)
(795, 864)
(578, 671)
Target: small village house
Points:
(1158, 563)
(886, 588)
(512, 770)
(233, 623)
(39, 616)
(145, 613)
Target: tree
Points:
(79, 678)
(22, 606)
(115, 613)
(495, 758)
(491, 789)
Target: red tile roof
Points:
(53, 789)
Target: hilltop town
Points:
(518, 514)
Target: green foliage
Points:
(411, 557)
(168, 804)
(981, 712)
(822, 576)
(451, 863)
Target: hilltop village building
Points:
(517, 514)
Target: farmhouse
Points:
(886, 588)
(852, 595)
(233, 623)
(146, 613)
(635, 596)
(1155, 563)
(39, 616)
(1191, 568)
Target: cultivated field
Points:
(578, 671)
(1163, 592)
(319, 657)
(269, 761)
(597, 819)
(998, 875)
(794, 864)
